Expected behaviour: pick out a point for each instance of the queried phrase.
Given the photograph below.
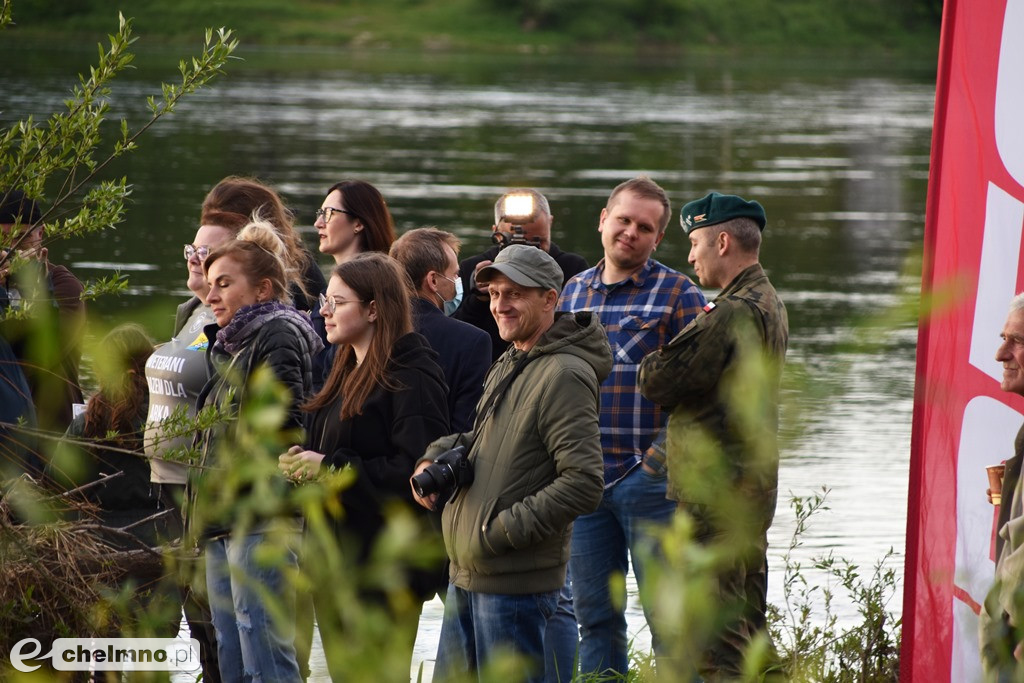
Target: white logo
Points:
(110, 654)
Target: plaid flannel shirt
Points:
(640, 314)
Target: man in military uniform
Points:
(720, 379)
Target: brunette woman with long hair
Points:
(384, 401)
(101, 460)
(113, 423)
(255, 327)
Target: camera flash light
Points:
(518, 206)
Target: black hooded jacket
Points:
(384, 442)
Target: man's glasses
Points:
(332, 303)
(328, 213)
(200, 252)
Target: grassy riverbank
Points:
(898, 26)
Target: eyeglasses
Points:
(332, 303)
(200, 252)
(328, 213)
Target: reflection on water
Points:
(838, 155)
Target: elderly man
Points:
(720, 378)
(642, 305)
(533, 229)
(1002, 617)
(535, 452)
(430, 257)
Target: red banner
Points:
(962, 421)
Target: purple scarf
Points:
(248, 320)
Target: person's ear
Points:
(431, 281)
(723, 241)
(264, 290)
(371, 312)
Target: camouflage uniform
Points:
(720, 378)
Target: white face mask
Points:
(450, 306)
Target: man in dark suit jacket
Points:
(534, 228)
(430, 257)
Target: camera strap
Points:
(499, 391)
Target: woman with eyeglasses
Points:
(229, 206)
(384, 401)
(235, 510)
(177, 371)
(354, 218)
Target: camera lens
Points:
(434, 479)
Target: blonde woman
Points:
(255, 326)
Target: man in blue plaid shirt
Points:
(642, 304)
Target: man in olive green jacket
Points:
(536, 456)
(720, 378)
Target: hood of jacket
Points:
(411, 350)
(580, 334)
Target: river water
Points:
(836, 150)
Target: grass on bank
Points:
(902, 26)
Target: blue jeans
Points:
(477, 626)
(632, 510)
(561, 639)
(251, 644)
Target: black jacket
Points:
(383, 443)
(464, 353)
(287, 351)
(475, 308)
(121, 501)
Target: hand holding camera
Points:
(442, 478)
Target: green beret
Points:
(716, 208)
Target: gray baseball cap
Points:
(526, 266)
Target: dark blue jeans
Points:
(562, 639)
(624, 526)
(477, 626)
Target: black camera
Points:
(515, 235)
(448, 473)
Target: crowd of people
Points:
(545, 419)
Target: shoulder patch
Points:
(710, 306)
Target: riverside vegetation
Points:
(657, 26)
(80, 593)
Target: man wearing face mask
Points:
(536, 230)
(430, 257)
